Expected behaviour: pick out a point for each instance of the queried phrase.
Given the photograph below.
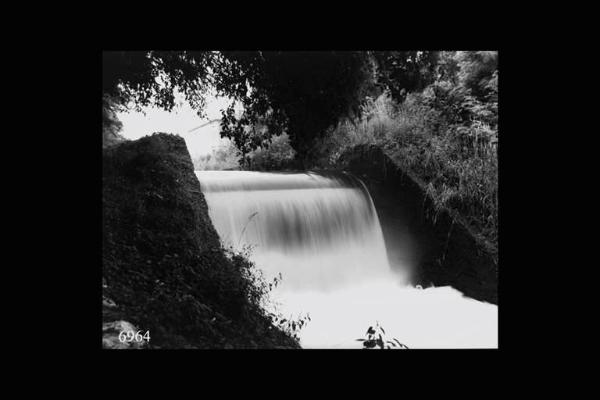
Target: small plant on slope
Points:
(375, 337)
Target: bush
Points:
(375, 337)
(458, 161)
(224, 157)
(278, 155)
(446, 135)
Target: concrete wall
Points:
(446, 251)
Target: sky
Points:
(179, 121)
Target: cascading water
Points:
(322, 233)
(317, 231)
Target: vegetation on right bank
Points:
(445, 134)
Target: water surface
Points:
(322, 233)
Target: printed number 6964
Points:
(130, 336)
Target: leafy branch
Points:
(375, 337)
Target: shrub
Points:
(277, 155)
(375, 337)
(446, 135)
(224, 157)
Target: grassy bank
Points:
(445, 134)
(163, 263)
(457, 160)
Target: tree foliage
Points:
(224, 157)
(446, 134)
(136, 79)
(150, 78)
(279, 155)
(300, 93)
(402, 72)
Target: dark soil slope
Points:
(163, 264)
(452, 252)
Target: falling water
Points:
(321, 232)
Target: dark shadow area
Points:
(446, 251)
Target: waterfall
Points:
(321, 232)
(317, 230)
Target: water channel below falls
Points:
(322, 233)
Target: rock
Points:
(110, 336)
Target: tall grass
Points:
(457, 161)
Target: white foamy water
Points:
(323, 235)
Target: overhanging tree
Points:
(301, 93)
